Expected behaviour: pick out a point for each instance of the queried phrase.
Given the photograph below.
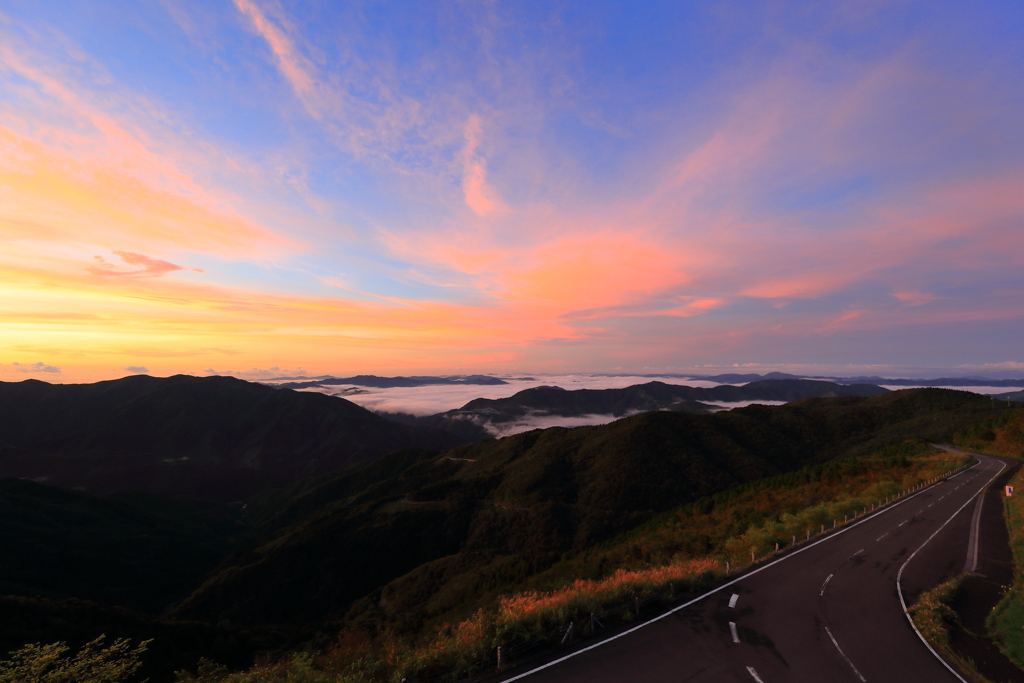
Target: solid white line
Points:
(733, 599)
(754, 674)
(794, 553)
(844, 655)
(735, 634)
(972, 546)
(829, 578)
(899, 575)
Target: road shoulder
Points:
(981, 591)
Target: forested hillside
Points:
(218, 438)
(459, 525)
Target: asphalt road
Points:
(828, 612)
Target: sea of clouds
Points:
(432, 399)
(439, 398)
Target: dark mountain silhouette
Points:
(1010, 396)
(209, 437)
(482, 417)
(136, 550)
(940, 382)
(391, 382)
(415, 537)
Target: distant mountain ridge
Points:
(734, 378)
(391, 382)
(219, 438)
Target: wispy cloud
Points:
(149, 267)
(33, 368)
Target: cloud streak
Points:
(460, 188)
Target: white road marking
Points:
(825, 584)
(733, 599)
(857, 553)
(705, 596)
(972, 545)
(930, 506)
(754, 674)
(881, 537)
(735, 635)
(844, 655)
(899, 574)
(902, 523)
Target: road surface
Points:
(828, 612)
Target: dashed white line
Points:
(733, 599)
(902, 523)
(881, 537)
(735, 634)
(844, 655)
(857, 553)
(825, 584)
(754, 674)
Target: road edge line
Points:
(785, 557)
(899, 575)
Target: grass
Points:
(1006, 622)
(933, 617)
(765, 513)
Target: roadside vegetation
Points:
(934, 617)
(1006, 623)
(1003, 434)
(93, 663)
(670, 557)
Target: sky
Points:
(263, 188)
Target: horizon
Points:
(251, 187)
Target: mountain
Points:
(218, 438)
(1010, 396)
(135, 550)
(481, 418)
(940, 382)
(415, 537)
(391, 382)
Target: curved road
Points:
(827, 612)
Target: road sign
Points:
(1009, 491)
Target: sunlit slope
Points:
(212, 437)
(484, 517)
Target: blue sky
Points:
(564, 187)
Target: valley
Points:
(334, 536)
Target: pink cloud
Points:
(295, 67)
(480, 196)
(150, 267)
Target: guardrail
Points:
(567, 634)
